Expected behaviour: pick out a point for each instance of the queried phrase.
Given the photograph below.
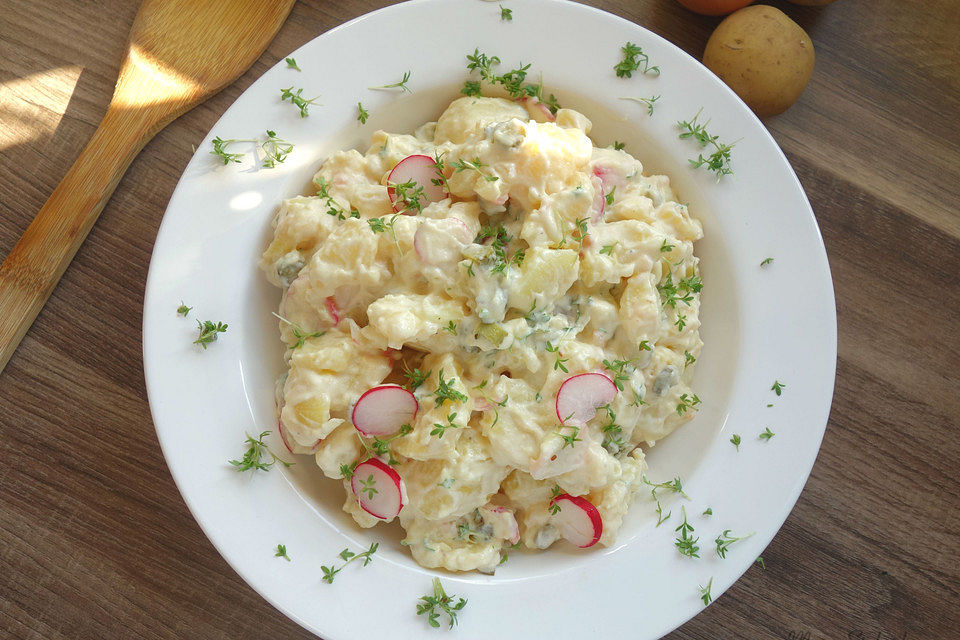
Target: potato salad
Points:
(486, 322)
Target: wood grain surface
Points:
(96, 543)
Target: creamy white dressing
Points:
(529, 272)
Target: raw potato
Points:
(762, 55)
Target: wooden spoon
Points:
(180, 53)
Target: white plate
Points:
(759, 324)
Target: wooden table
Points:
(95, 541)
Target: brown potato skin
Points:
(763, 55)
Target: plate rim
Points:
(830, 345)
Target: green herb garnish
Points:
(381, 446)
(348, 556)
(475, 165)
(301, 335)
(445, 391)
(705, 593)
(559, 363)
(415, 378)
(410, 194)
(719, 160)
(767, 434)
(687, 403)
(282, 552)
(220, 149)
(735, 441)
(402, 85)
(609, 197)
(275, 149)
(252, 459)
(686, 544)
(675, 485)
(362, 113)
(647, 101)
(724, 540)
(439, 429)
(333, 207)
(512, 81)
(682, 291)
(633, 58)
(297, 99)
(381, 225)
(208, 332)
(439, 602)
(292, 64)
(183, 309)
(570, 439)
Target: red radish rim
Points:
(283, 436)
(429, 186)
(332, 309)
(542, 106)
(379, 389)
(391, 473)
(591, 512)
(556, 405)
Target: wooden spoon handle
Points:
(30, 272)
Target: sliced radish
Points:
(382, 410)
(440, 241)
(534, 103)
(579, 397)
(578, 520)
(333, 309)
(378, 488)
(422, 170)
(283, 436)
(482, 404)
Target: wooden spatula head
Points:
(183, 51)
(180, 53)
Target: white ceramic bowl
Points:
(760, 324)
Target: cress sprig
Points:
(208, 332)
(649, 102)
(433, 605)
(299, 333)
(719, 160)
(402, 84)
(329, 573)
(512, 81)
(296, 98)
(252, 459)
(686, 544)
(633, 59)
